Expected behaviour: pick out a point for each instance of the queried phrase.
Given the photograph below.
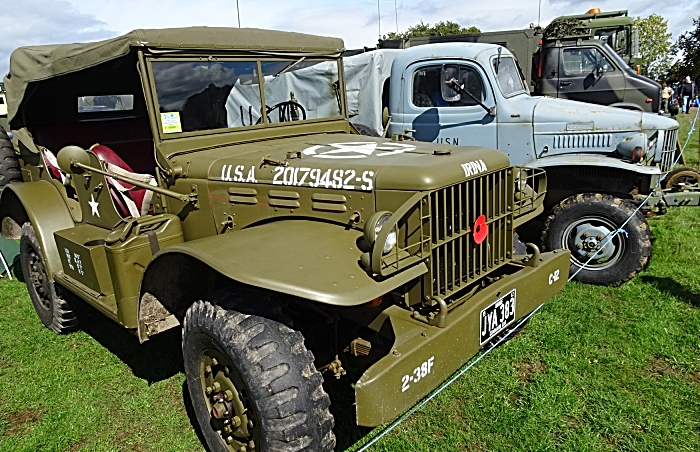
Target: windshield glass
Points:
(206, 95)
(508, 76)
(616, 58)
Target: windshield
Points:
(616, 58)
(206, 95)
(508, 76)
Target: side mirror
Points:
(72, 154)
(448, 94)
(385, 117)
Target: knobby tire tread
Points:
(638, 230)
(62, 317)
(272, 352)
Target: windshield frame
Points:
(524, 83)
(259, 60)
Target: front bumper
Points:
(391, 385)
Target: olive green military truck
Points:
(200, 177)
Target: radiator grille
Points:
(456, 260)
(582, 140)
(669, 149)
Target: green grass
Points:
(595, 369)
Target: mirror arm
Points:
(456, 86)
(172, 194)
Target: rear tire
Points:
(256, 376)
(9, 165)
(53, 310)
(581, 223)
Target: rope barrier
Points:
(522, 321)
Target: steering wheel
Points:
(287, 111)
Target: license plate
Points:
(496, 316)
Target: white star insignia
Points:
(94, 205)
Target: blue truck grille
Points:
(668, 151)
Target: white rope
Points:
(522, 321)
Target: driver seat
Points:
(129, 200)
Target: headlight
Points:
(374, 226)
(633, 147)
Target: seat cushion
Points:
(128, 199)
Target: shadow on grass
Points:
(674, 288)
(155, 360)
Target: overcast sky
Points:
(29, 22)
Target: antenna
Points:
(238, 11)
(396, 14)
(539, 12)
(379, 20)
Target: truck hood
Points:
(567, 116)
(349, 162)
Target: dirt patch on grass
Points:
(79, 445)
(572, 422)
(659, 367)
(527, 370)
(20, 422)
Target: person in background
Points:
(687, 93)
(666, 93)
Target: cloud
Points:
(45, 22)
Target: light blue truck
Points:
(600, 161)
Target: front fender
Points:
(308, 259)
(42, 204)
(593, 160)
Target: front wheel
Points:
(584, 223)
(253, 383)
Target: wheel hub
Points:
(227, 403)
(592, 239)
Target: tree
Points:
(689, 44)
(439, 29)
(654, 45)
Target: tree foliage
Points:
(654, 45)
(442, 28)
(689, 44)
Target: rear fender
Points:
(308, 259)
(40, 203)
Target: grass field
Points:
(595, 369)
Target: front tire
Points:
(582, 224)
(53, 310)
(253, 383)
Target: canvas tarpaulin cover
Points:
(36, 63)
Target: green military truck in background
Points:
(592, 57)
(152, 187)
